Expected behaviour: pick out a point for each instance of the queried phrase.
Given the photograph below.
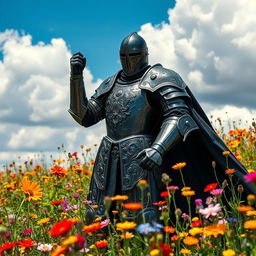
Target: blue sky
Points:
(95, 28)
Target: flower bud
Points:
(240, 188)
(166, 179)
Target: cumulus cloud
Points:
(212, 45)
(34, 95)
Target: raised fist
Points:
(77, 63)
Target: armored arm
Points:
(177, 122)
(85, 112)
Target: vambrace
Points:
(78, 100)
(172, 131)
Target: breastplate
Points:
(128, 111)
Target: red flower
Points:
(61, 228)
(74, 154)
(196, 223)
(133, 206)
(164, 194)
(166, 249)
(211, 187)
(7, 246)
(160, 203)
(101, 243)
(26, 243)
(57, 202)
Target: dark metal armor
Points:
(148, 110)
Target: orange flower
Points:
(230, 171)
(195, 231)
(244, 208)
(58, 171)
(59, 251)
(31, 189)
(127, 235)
(179, 166)
(185, 251)
(186, 188)
(188, 193)
(169, 229)
(215, 230)
(126, 225)
(119, 198)
(175, 238)
(133, 206)
(92, 227)
(190, 240)
(225, 153)
(61, 228)
(101, 243)
(250, 224)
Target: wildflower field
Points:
(43, 209)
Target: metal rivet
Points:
(153, 76)
(187, 123)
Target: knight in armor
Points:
(153, 121)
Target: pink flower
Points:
(172, 187)
(250, 177)
(76, 195)
(185, 216)
(104, 223)
(198, 202)
(217, 191)
(211, 210)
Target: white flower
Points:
(44, 247)
(211, 210)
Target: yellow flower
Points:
(126, 225)
(250, 170)
(185, 251)
(69, 240)
(195, 219)
(179, 166)
(229, 252)
(190, 240)
(31, 189)
(250, 224)
(183, 234)
(43, 221)
(154, 252)
(243, 235)
(195, 231)
(251, 213)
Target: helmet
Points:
(133, 54)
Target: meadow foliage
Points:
(43, 210)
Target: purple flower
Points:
(211, 210)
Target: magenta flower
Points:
(76, 195)
(217, 191)
(27, 231)
(250, 177)
(198, 202)
(211, 210)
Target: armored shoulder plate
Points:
(105, 86)
(157, 77)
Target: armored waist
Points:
(126, 150)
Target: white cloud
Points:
(212, 45)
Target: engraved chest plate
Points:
(128, 111)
